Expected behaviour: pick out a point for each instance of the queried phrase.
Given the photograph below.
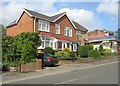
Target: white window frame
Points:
(78, 32)
(46, 24)
(57, 28)
(68, 31)
(44, 42)
(74, 46)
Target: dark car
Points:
(48, 59)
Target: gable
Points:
(66, 21)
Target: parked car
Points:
(48, 59)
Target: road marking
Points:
(32, 77)
(64, 82)
(76, 79)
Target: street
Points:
(103, 74)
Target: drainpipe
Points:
(34, 25)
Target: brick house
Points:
(104, 37)
(56, 31)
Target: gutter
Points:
(34, 23)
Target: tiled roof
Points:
(96, 34)
(80, 27)
(57, 36)
(45, 17)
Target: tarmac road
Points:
(103, 74)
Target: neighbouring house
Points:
(81, 33)
(57, 31)
(104, 37)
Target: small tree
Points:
(9, 53)
(20, 49)
(27, 43)
(101, 50)
(49, 50)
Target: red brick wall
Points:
(31, 67)
(25, 24)
(64, 21)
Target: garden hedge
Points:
(83, 50)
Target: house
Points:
(104, 37)
(81, 33)
(57, 31)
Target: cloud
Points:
(12, 10)
(84, 17)
(108, 8)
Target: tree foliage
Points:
(49, 50)
(101, 50)
(20, 49)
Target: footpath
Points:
(14, 76)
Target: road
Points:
(103, 74)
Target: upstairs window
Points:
(57, 28)
(68, 31)
(44, 26)
(78, 32)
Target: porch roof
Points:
(58, 36)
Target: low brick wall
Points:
(38, 64)
(61, 62)
(31, 67)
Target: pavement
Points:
(11, 77)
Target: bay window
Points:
(46, 42)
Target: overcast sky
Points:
(93, 15)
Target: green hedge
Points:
(83, 50)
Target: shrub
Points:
(59, 54)
(83, 50)
(90, 53)
(66, 56)
(107, 52)
(101, 50)
(66, 50)
(94, 53)
(49, 50)
(55, 51)
(72, 54)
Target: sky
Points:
(90, 14)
